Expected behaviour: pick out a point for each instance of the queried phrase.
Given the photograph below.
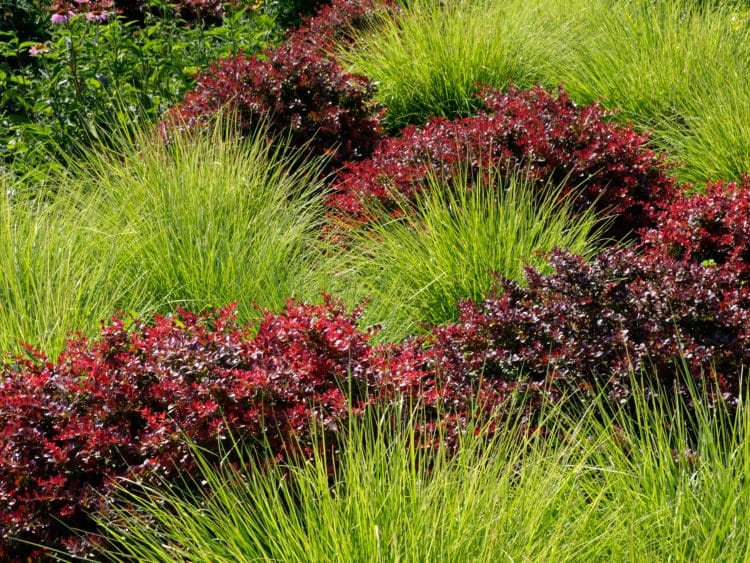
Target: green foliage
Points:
(90, 78)
(205, 221)
(289, 13)
(428, 61)
(216, 221)
(678, 68)
(60, 271)
(23, 20)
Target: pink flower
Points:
(38, 49)
(97, 15)
(62, 15)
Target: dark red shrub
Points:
(298, 89)
(591, 325)
(599, 163)
(122, 405)
(569, 334)
(711, 227)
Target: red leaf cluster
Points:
(711, 227)
(550, 138)
(591, 325)
(124, 404)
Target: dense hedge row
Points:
(546, 136)
(122, 405)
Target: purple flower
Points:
(38, 49)
(97, 15)
(62, 15)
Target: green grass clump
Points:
(675, 67)
(648, 487)
(201, 223)
(428, 61)
(215, 220)
(449, 246)
(59, 272)
(678, 68)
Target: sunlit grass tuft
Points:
(675, 67)
(645, 485)
(201, 223)
(678, 68)
(215, 219)
(428, 61)
(449, 247)
(60, 272)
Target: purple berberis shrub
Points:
(546, 136)
(593, 326)
(336, 23)
(125, 406)
(711, 228)
(621, 322)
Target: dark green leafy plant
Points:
(21, 20)
(289, 13)
(91, 77)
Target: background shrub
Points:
(548, 137)
(20, 21)
(337, 23)
(298, 88)
(191, 12)
(290, 13)
(297, 91)
(85, 79)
